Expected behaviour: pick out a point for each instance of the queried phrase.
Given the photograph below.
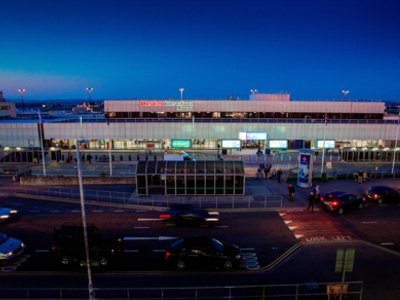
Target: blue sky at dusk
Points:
(149, 49)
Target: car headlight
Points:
(14, 211)
(4, 216)
(237, 256)
(8, 254)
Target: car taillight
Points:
(376, 196)
(165, 216)
(322, 198)
(334, 203)
(53, 248)
(167, 254)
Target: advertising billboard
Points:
(329, 144)
(181, 144)
(278, 144)
(230, 144)
(252, 136)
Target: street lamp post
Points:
(84, 221)
(181, 91)
(395, 143)
(253, 93)
(89, 90)
(22, 93)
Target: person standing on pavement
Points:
(316, 193)
(291, 192)
(279, 175)
(311, 198)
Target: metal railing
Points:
(206, 201)
(324, 290)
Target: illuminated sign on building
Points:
(230, 144)
(252, 136)
(180, 144)
(329, 144)
(178, 105)
(278, 144)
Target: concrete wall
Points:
(64, 180)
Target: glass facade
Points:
(190, 177)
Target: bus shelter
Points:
(190, 177)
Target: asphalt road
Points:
(263, 236)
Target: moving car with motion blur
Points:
(383, 194)
(69, 246)
(7, 214)
(202, 252)
(339, 202)
(10, 247)
(188, 215)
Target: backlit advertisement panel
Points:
(230, 144)
(329, 144)
(278, 144)
(252, 136)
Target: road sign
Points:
(345, 260)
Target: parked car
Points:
(183, 214)
(69, 246)
(7, 214)
(339, 201)
(202, 252)
(383, 194)
(10, 247)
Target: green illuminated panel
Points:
(181, 144)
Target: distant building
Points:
(7, 109)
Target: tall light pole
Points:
(253, 93)
(323, 145)
(22, 93)
(84, 221)
(181, 91)
(395, 143)
(89, 90)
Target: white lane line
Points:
(247, 249)
(297, 236)
(287, 222)
(292, 227)
(118, 211)
(369, 222)
(97, 211)
(42, 250)
(282, 214)
(148, 219)
(222, 226)
(141, 227)
(56, 211)
(158, 250)
(387, 244)
(131, 250)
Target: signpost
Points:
(344, 263)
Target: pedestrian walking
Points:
(311, 198)
(279, 175)
(291, 192)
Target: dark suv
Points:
(69, 246)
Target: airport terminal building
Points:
(268, 122)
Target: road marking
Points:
(292, 227)
(54, 211)
(298, 236)
(141, 227)
(282, 214)
(149, 238)
(372, 222)
(158, 250)
(287, 222)
(148, 219)
(97, 211)
(42, 250)
(247, 249)
(387, 244)
(131, 250)
(222, 226)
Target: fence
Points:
(209, 201)
(324, 290)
